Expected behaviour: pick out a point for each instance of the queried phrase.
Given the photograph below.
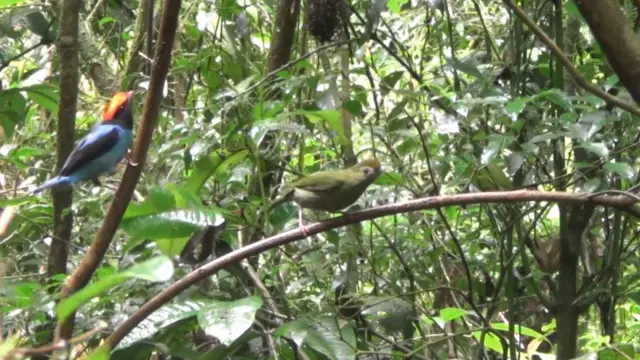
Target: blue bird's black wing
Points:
(90, 148)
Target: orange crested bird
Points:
(102, 148)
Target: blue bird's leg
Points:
(128, 157)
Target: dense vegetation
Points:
(504, 225)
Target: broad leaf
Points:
(13, 108)
(227, 321)
(171, 224)
(491, 341)
(450, 314)
(325, 337)
(163, 317)
(155, 270)
(45, 96)
(159, 200)
(332, 118)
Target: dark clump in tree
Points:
(323, 18)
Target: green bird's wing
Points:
(319, 182)
(288, 196)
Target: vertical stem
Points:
(69, 78)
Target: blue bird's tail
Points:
(54, 182)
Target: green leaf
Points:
(389, 82)
(523, 330)
(354, 107)
(491, 151)
(106, 20)
(498, 176)
(183, 197)
(490, 178)
(204, 168)
(623, 169)
(227, 321)
(162, 318)
(211, 76)
(547, 136)
(468, 67)
(230, 161)
(25, 151)
(17, 201)
(450, 314)
(611, 81)
(618, 352)
(390, 178)
(296, 330)
(159, 200)
(336, 343)
(172, 247)
(101, 353)
(398, 109)
(157, 269)
(515, 107)
(45, 96)
(171, 224)
(557, 97)
(396, 5)
(4, 3)
(597, 148)
(13, 108)
(491, 341)
(332, 118)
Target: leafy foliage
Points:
(451, 96)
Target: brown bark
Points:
(284, 29)
(567, 311)
(69, 79)
(617, 40)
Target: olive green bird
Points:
(330, 190)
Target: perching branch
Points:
(621, 202)
(5, 63)
(122, 197)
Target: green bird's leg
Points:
(301, 225)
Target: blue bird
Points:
(102, 148)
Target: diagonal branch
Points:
(95, 253)
(567, 64)
(621, 202)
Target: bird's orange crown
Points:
(116, 101)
